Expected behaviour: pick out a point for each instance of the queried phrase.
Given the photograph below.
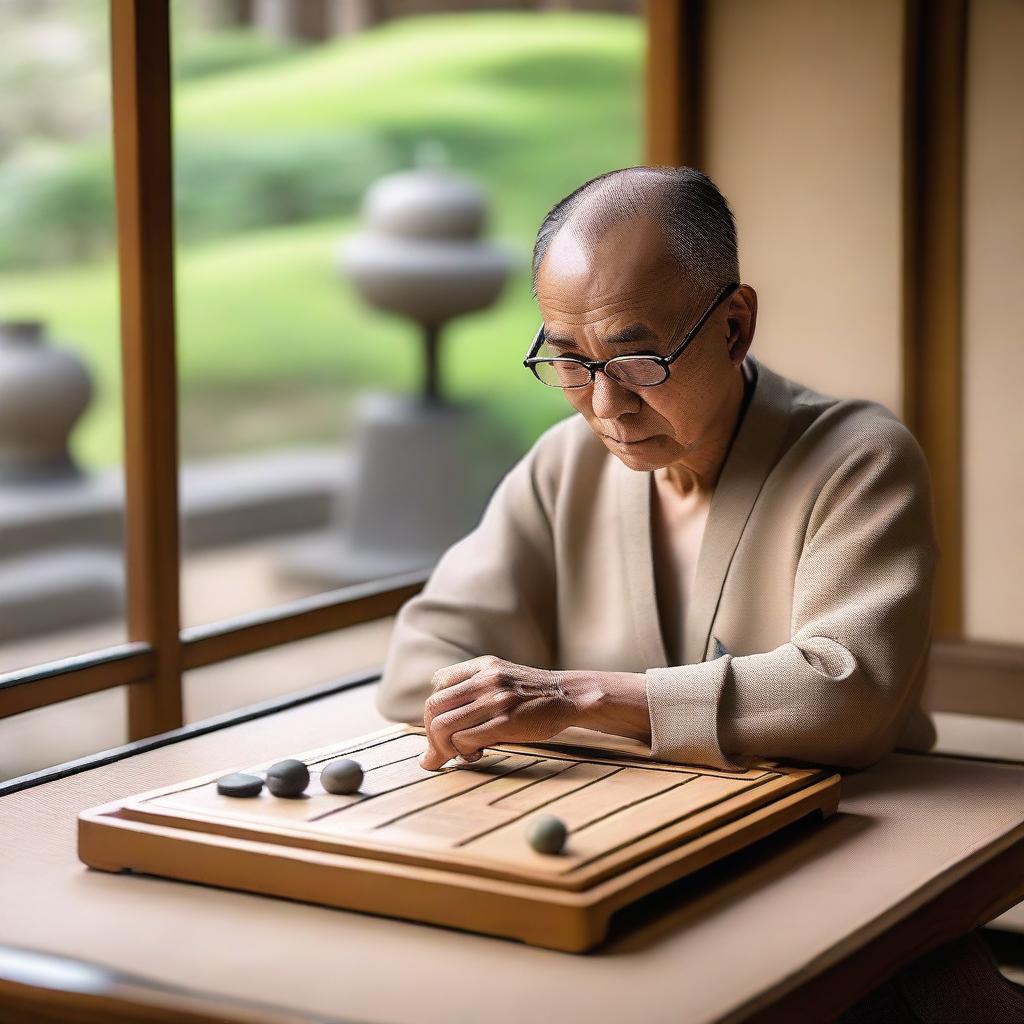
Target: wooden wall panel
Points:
(802, 132)
(993, 322)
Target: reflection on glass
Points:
(305, 664)
(294, 366)
(356, 208)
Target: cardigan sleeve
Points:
(492, 592)
(840, 690)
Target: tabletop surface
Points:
(905, 829)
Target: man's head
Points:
(647, 246)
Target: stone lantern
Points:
(423, 466)
(421, 255)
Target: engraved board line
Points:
(592, 756)
(384, 764)
(529, 785)
(754, 784)
(504, 775)
(414, 782)
(453, 796)
(367, 746)
(561, 796)
(320, 760)
(630, 803)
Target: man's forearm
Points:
(611, 702)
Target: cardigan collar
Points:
(748, 462)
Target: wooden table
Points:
(923, 849)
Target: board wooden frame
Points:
(568, 914)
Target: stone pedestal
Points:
(423, 474)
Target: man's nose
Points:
(610, 399)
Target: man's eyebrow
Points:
(632, 333)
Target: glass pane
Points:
(342, 188)
(63, 732)
(233, 684)
(61, 489)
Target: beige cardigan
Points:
(809, 627)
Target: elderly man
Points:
(708, 557)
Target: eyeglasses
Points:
(636, 370)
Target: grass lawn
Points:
(272, 343)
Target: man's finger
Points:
(448, 699)
(439, 747)
(470, 742)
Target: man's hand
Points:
(488, 700)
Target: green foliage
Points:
(56, 213)
(204, 54)
(228, 185)
(65, 213)
(271, 162)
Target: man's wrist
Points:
(611, 702)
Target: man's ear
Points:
(741, 319)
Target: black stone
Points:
(342, 776)
(287, 778)
(240, 784)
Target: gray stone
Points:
(342, 776)
(287, 778)
(240, 784)
(546, 833)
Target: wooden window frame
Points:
(970, 677)
(158, 650)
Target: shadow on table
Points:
(649, 920)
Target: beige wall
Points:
(994, 322)
(803, 137)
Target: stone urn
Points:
(421, 253)
(44, 389)
(423, 466)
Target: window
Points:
(247, 349)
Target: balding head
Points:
(698, 232)
(625, 265)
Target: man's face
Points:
(590, 294)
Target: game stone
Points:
(342, 776)
(288, 778)
(546, 833)
(240, 784)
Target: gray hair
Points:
(699, 227)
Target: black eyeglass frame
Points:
(532, 360)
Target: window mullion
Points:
(141, 69)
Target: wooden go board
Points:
(449, 847)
